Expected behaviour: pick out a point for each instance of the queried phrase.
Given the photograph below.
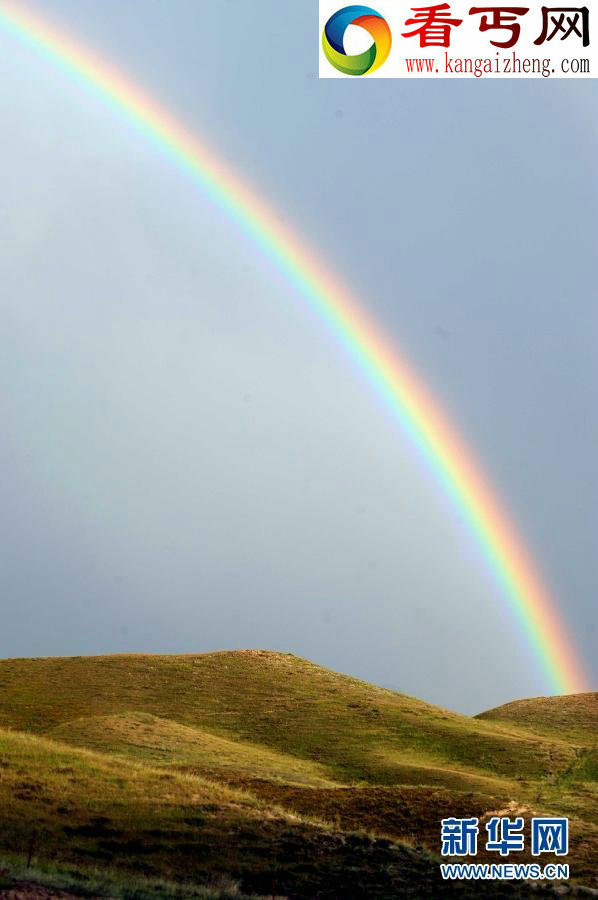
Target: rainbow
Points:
(387, 371)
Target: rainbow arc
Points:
(392, 378)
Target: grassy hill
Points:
(270, 770)
(574, 716)
(86, 808)
(355, 731)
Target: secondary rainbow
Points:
(392, 378)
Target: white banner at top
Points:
(456, 39)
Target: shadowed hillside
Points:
(272, 771)
(86, 808)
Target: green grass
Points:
(157, 741)
(269, 770)
(574, 717)
(81, 809)
(353, 730)
(84, 805)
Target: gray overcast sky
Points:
(188, 461)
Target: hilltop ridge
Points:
(572, 713)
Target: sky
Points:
(189, 462)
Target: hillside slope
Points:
(236, 763)
(574, 716)
(87, 809)
(158, 742)
(356, 731)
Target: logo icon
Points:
(333, 40)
